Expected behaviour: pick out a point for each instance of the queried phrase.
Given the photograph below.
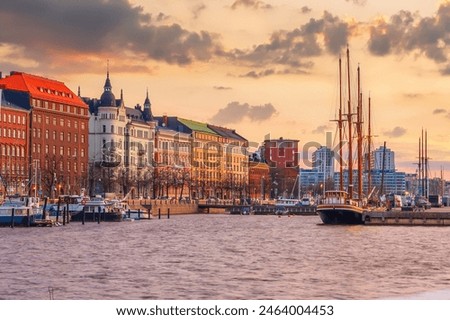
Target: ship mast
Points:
(369, 156)
(350, 124)
(360, 136)
(341, 176)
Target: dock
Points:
(430, 217)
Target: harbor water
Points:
(217, 256)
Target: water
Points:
(224, 257)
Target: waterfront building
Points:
(121, 145)
(282, 157)
(259, 184)
(58, 131)
(377, 159)
(218, 166)
(14, 161)
(281, 153)
(233, 166)
(172, 176)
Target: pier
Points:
(431, 217)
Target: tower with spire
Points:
(147, 113)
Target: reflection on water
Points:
(223, 257)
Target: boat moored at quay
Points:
(17, 210)
(338, 208)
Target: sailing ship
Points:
(342, 206)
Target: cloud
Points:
(236, 112)
(253, 4)
(321, 129)
(396, 132)
(439, 111)
(306, 9)
(358, 2)
(222, 88)
(198, 9)
(98, 27)
(269, 72)
(291, 48)
(407, 32)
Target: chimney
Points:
(1, 75)
(165, 120)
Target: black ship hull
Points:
(340, 214)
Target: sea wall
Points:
(163, 206)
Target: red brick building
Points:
(259, 180)
(14, 123)
(281, 153)
(282, 157)
(58, 131)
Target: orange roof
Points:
(41, 88)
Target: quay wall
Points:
(163, 206)
(433, 217)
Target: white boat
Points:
(97, 208)
(283, 202)
(20, 210)
(128, 213)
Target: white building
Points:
(323, 162)
(121, 141)
(377, 159)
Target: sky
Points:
(266, 68)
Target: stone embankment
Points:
(164, 206)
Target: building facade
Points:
(14, 165)
(58, 132)
(121, 145)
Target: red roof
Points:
(41, 88)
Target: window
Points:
(68, 136)
(61, 151)
(54, 134)
(82, 138)
(54, 150)
(112, 129)
(61, 136)
(46, 134)
(61, 122)
(104, 129)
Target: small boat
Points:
(97, 208)
(288, 202)
(128, 213)
(73, 203)
(19, 210)
(281, 210)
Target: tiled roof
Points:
(41, 88)
(197, 126)
(227, 133)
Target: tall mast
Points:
(423, 168)
(369, 156)
(350, 124)
(341, 176)
(426, 163)
(359, 133)
(419, 184)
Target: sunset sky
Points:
(262, 67)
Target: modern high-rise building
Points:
(377, 159)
